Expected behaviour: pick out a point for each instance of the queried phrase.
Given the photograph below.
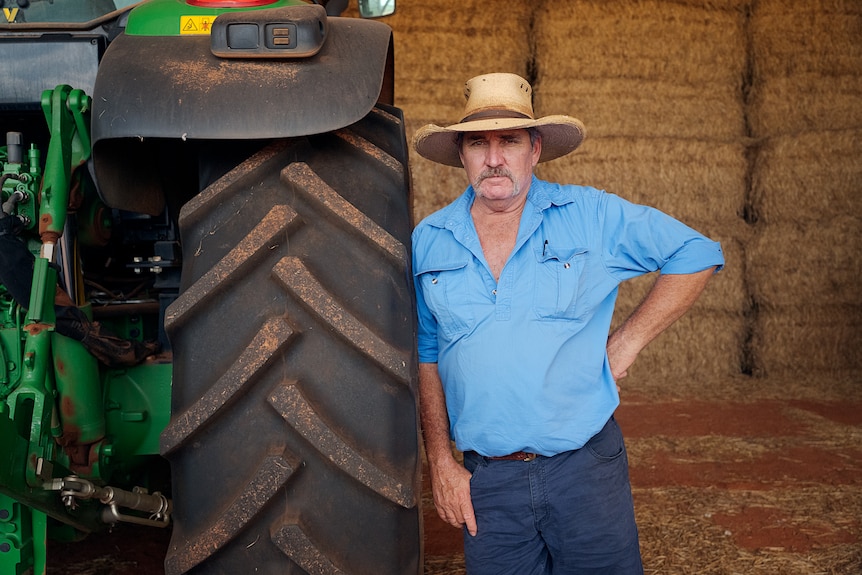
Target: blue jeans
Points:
(571, 514)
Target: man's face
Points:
(499, 163)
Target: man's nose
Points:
(494, 156)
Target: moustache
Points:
(494, 173)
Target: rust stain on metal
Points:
(307, 181)
(36, 328)
(81, 458)
(45, 221)
(67, 407)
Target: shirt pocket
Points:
(561, 283)
(445, 289)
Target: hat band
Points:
(486, 114)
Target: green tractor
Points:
(206, 312)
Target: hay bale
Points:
(648, 68)
(807, 339)
(645, 108)
(807, 263)
(807, 58)
(704, 346)
(439, 47)
(685, 43)
(803, 262)
(805, 102)
(811, 176)
(697, 182)
(792, 37)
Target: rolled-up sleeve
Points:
(641, 239)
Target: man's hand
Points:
(451, 490)
(620, 356)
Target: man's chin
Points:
(496, 188)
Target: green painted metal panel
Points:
(176, 18)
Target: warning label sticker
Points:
(196, 24)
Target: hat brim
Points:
(560, 136)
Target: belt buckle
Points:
(529, 457)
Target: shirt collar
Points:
(543, 195)
(456, 216)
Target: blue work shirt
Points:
(523, 360)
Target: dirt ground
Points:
(755, 477)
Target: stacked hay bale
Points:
(658, 86)
(804, 264)
(438, 46)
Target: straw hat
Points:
(499, 101)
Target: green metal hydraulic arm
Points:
(54, 452)
(35, 388)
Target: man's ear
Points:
(537, 149)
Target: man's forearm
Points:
(670, 297)
(435, 419)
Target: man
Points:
(516, 282)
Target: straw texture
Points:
(803, 261)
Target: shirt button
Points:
(434, 281)
(494, 292)
(567, 265)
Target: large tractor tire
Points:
(294, 438)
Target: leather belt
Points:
(517, 456)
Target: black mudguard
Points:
(151, 88)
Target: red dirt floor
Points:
(726, 487)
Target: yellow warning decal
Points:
(196, 24)
(11, 14)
